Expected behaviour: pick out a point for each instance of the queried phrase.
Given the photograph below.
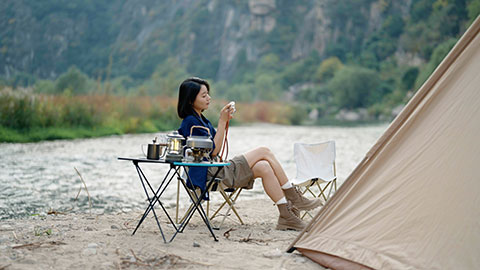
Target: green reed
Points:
(26, 116)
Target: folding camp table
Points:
(172, 172)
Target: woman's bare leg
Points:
(287, 218)
(270, 183)
(263, 153)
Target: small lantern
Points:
(175, 147)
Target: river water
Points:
(39, 177)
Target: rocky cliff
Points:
(213, 38)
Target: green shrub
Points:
(437, 57)
(409, 77)
(73, 80)
(327, 69)
(17, 108)
(352, 87)
(78, 114)
(44, 86)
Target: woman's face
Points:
(202, 100)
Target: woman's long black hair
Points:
(187, 94)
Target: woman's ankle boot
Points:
(301, 202)
(287, 219)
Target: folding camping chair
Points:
(316, 167)
(229, 195)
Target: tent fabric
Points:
(332, 261)
(414, 201)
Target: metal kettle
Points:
(198, 147)
(174, 146)
(200, 142)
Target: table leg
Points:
(197, 206)
(156, 198)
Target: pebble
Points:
(273, 253)
(89, 229)
(114, 227)
(132, 259)
(6, 227)
(92, 245)
(300, 260)
(89, 251)
(4, 238)
(29, 261)
(195, 244)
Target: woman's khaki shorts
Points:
(237, 174)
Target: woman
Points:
(193, 99)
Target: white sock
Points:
(281, 201)
(287, 185)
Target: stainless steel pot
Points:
(174, 148)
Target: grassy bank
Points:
(28, 117)
(53, 133)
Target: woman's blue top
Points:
(198, 175)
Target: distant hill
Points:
(213, 38)
(249, 48)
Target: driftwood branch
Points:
(86, 189)
(38, 244)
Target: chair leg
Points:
(188, 210)
(191, 205)
(331, 187)
(208, 208)
(322, 191)
(234, 209)
(225, 201)
(310, 191)
(178, 200)
(307, 189)
(231, 203)
(218, 210)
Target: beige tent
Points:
(414, 201)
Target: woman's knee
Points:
(262, 168)
(265, 151)
(258, 154)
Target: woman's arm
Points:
(225, 115)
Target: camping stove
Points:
(198, 147)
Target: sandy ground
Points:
(88, 241)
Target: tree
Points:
(73, 80)
(352, 87)
(268, 87)
(327, 69)
(437, 56)
(167, 77)
(409, 77)
(473, 9)
(269, 62)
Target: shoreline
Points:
(37, 135)
(90, 241)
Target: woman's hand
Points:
(226, 113)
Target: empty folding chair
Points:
(316, 167)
